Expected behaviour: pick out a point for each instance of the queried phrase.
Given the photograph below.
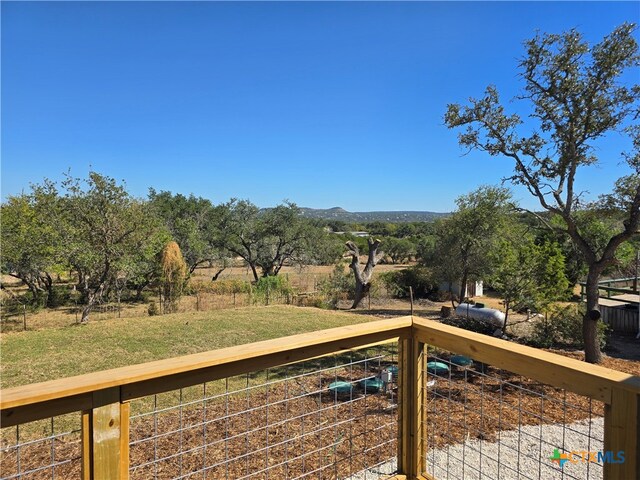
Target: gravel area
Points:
(477, 459)
(378, 472)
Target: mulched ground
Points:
(477, 404)
(287, 431)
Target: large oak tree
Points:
(269, 239)
(463, 243)
(105, 228)
(578, 96)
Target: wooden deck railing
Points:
(606, 286)
(103, 397)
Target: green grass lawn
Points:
(37, 356)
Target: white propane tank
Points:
(482, 313)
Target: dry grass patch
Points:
(29, 357)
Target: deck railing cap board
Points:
(575, 375)
(54, 389)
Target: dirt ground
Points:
(625, 347)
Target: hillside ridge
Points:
(338, 213)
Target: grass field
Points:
(36, 356)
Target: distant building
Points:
(474, 289)
(355, 234)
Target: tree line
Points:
(95, 232)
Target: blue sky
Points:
(324, 104)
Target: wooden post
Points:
(105, 437)
(411, 407)
(635, 279)
(411, 299)
(622, 434)
(86, 446)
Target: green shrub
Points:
(470, 324)
(272, 288)
(562, 327)
(60, 296)
(339, 285)
(397, 282)
(317, 302)
(218, 287)
(441, 296)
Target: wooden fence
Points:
(103, 398)
(618, 305)
(621, 319)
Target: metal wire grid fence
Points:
(482, 422)
(327, 418)
(46, 449)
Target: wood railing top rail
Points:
(563, 372)
(612, 289)
(46, 399)
(76, 393)
(613, 280)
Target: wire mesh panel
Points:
(483, 422)
(328, 418)
(46, 449)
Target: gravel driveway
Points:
(477, 459)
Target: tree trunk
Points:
(506, 317)
(217, 274)
(86, 310)
(592, 352)
(363, 276)
(139, 290)
(453, 301)
(91, 296)
(463, 286)
(46, 285)
(361, 292)
(268, 271)
(255, 272)
(35, 292)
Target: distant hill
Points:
(337, 213)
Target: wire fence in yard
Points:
(332, 417)
(327, 418)
(20, 317)
(48, 449)
(483, 422)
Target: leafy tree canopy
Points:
(577, 95)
